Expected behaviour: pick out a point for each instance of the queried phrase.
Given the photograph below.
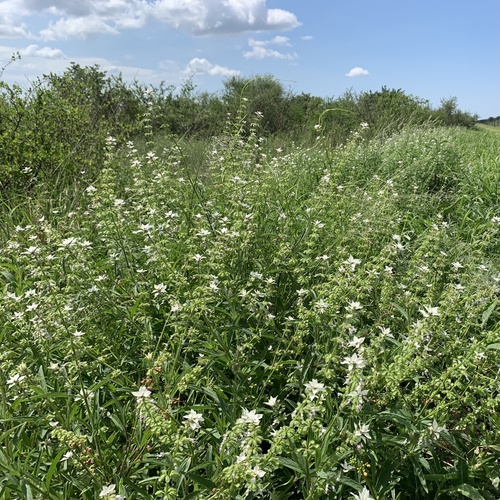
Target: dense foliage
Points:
(62, 121)
(227, 319)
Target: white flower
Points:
(435, 429)
(362, 431)
(271, 402)
(78, 333)
(356, 342)
(351, 261)
(354, 306)
(313, 388)
(142, 393)
(364, 494)
(321, 305)
(32, 307)
(257, 472)
(91, 190)
(354, 361)
(159, 288)
(249, 417)
(33, 250)
(359, 394)
(385, 332)
(66, 456)
(194, 419)
(107, 490)
(429, 311)
(346, 466)
(68, 242)
(15, 379)
(456, 266)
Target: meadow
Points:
(239, 319)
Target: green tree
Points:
(263, 94)
(449, 114)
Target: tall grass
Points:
(250, 323)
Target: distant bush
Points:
(492, 121)
(448, 114)
(57, 128)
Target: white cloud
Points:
(77, 27)
(306, 38)
(45, 52)
(279, 19)
(204, 67)
(277, 40)
(82, 18)
(357, 71)
(28, 69)
(223, 16)
(259, 50)
(11, 14)
(10, 31)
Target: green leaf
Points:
(467, 491)
(202, 481)
(287, 462)
(403, 312)
(488, 313)
(26, 489)
(52, 468)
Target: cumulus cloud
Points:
(10, 31)
(306, 38)
(11, 14)
(357, 71)
(204, 67)
(77, 27)
(223, 16)
(45, 52)
(260, 49)
(200, 17)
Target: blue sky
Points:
(432, 49)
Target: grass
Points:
(246, 323)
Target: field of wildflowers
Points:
(296, 323)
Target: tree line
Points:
(62, 121)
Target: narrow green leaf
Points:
(467, 491)
(26, 489)
(488, 313)
(202, 481)
(52, 468)
(403, 312)
(287, 462)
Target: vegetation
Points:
(494, 122)
(294, 304)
